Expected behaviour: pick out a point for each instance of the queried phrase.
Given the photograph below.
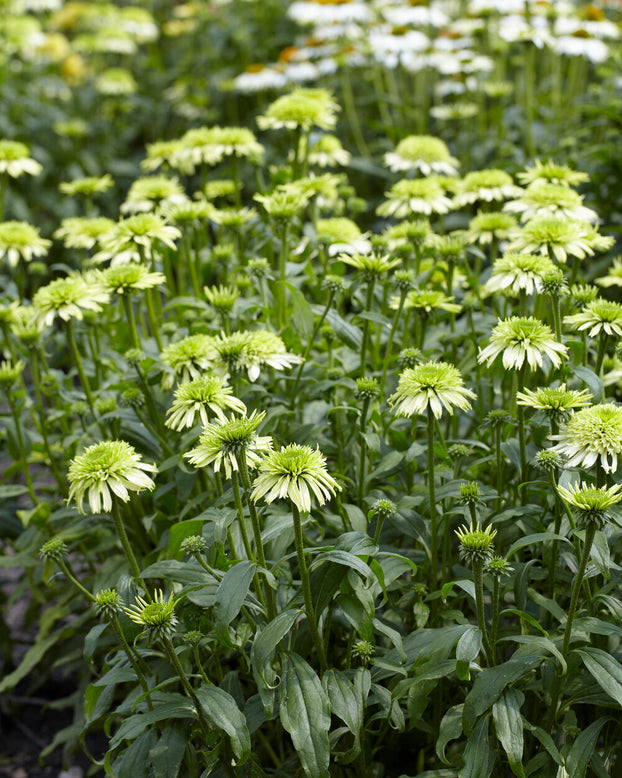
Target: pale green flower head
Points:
(414, 233)
(15, 159)
(162, 152)
(596, 317)
(518, 273)
(370, 266)
(157, 617)
(556, 402)
(26, 325)
(54, 549)
(202, 399)
(265, 348)
(592, 434)
(218, 188)
(222, 443)
(186, 211)
(134, 236)
(20, 239)
(116, 81)
(124, 279)
(486, 227)
(583, 294)
(431, 385)
(552, 173)
(82, 232)
(237, 141)
(296, 473)
(328, 152)
(87, 185)
(424, 154)
(522, 338)
(107, 603)
(188, 357)
(476, 544)
(221, 298)
(10, 372)
(416, 197)
(427, 300)
(341, 234)
(614, 275)
(498, 567)
(230, 217)
(283, 203)
(152, 192)
(304, 108)
(107, 468)
(561, 237)
(68, 298)
(546, 199)
(491, 185)
(591, 504)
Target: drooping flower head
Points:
(20, 239)
(304, 108)
(68, 298)
(134, 236)
(556, 402)
(188, 357)
(124, 279)
(491, 185)
(596, 317)
(561, 237)
(222, 443)
(553, 173)
(82, 232)
(422, 153)
(370, 266)
(295, 472)
(545, 199)
(416, 197)
(519, 273)
(591, 503)
(522, 338)
(342, 235)
(87, 185)
(489, 226)
(434, 385)
(107, 468)
(202, 398)
(153, 192)
(15, 159)
(592, 435)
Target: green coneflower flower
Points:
(26, 325)
(590, 503)
(486, 227)
(222, 442)
(592, 434)
(231, 217)
(544, 199)
(188, 357)
(15, 159)
(328, 152)
(498, 567)
(519, 273)
(135, 233)
(158, 616)
(218, 188)
(88, 185)
(522, 338)
(20, 239)
(81, 232)
(10, 372)
(125, 278)
(160, 153)
(342, 235)
(283, 203)
(476, 544)
(561, 237)
(424, 154)
(427, 300)
(370, 266)
(193, 545)
(221, 298)
(408, 233)
(413, 197)
(556, 402)
(436, 385)
(553, 173)
(583, 294)
(549, 460)
(238, 142)
(204, 397)
(68, 298)
(116, 81)
(107, 603)
(54, 549)
(295, 472)
(409, 357)
(614, 275)
(187, 211)
(366, 389)
(153, 192)
(302, 108)
(487, 185)
(596, 317)
(383, 509)
(112, 466)
(266, 348)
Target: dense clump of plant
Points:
(304, 483)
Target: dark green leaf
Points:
(450, 729)
(168, 752)
(135, 761)
(223, 713)
(589, 377)
(230, 597)
(346, 702)
(305, 714)
(582, 748)
(509, 727)
(478, 759)
(264, 646)
(342, 558)
(605, 670)
(137, 723)
(538, 537)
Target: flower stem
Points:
(71, 338)
(478, 580)
(590, 532)
(281, 300)
(432, 494)
(127, 548)
(306, 587)
(368, 303)
(131, 321)
(389, 345)
(363, 453)
(22, 450)
(520, 413)
(305, 356)
(602, 344)
(169, 650)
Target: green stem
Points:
(520, 412)
(432, 495)
(36, 380)
(237, 497)
(363, 453)
(172, 657)
(590, 532)
(306, 588)
(368, 303)
(389, 345)
(116, 625)
(494, 625)
(131, 321)
(22, 450)
(281, 306)
(478, 580)
(305, 356)
(71, 339)
(601, 353)
(127, 548)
